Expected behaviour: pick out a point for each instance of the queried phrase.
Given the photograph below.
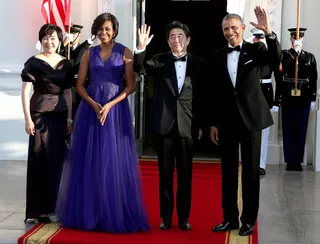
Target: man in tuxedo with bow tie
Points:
(175, 118)
(238, 113)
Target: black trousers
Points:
(250, 144)
(173, 150)
(294, 128)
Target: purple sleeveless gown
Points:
(100, 188)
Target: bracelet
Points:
(70, 121)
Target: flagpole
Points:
(69, 41)
(296, 92)
(68, 15)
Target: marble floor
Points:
(289, 210)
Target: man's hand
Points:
(274, 109)
(144, 36)
(214, 135)
(312, 106)
(200, 134)
(263, 22)
(69, 37)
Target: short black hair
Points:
(233, 16)
(99, 21)
(48, 29)
(177, 25)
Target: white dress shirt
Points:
(181, 68)
(233, 59)
(75, 46)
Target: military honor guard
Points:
(76, 52)
(296, 86)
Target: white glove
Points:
(91, 39)
(69, 36)
(274, 109)
(298, 45)
(312, 106)
(38, 46)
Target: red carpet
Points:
(206, 212)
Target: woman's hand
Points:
(97, 109)
(104, 112)
(29, 127)
(69, 125)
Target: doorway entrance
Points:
(203, 17)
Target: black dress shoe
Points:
(43, 219)
(225, 226)
(290, 167)
(185, 226)
(298, 167)
(166, 224)
(294, 167)
(246, 230)
(262, 171)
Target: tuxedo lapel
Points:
(225, 65)
(242, 59)
(172, 82)
(189, 70)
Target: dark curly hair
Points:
(99, 21)
(48, 29)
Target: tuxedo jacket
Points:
(267, 88)
(246, 100)
(168, 106)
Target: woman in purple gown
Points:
(100, 189)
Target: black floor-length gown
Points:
(48, 110)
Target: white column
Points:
(236, 7)
(21, 23)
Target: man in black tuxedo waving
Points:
(175, 118)
(239, 112)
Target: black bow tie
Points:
(182, 59)
(237, 48)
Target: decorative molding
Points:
(8, 71)
(275, 15)
(106, 6)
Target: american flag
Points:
(63, 7)
(47, 11)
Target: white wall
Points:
(20, 22)
(19, 25)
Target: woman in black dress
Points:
(47, 121)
